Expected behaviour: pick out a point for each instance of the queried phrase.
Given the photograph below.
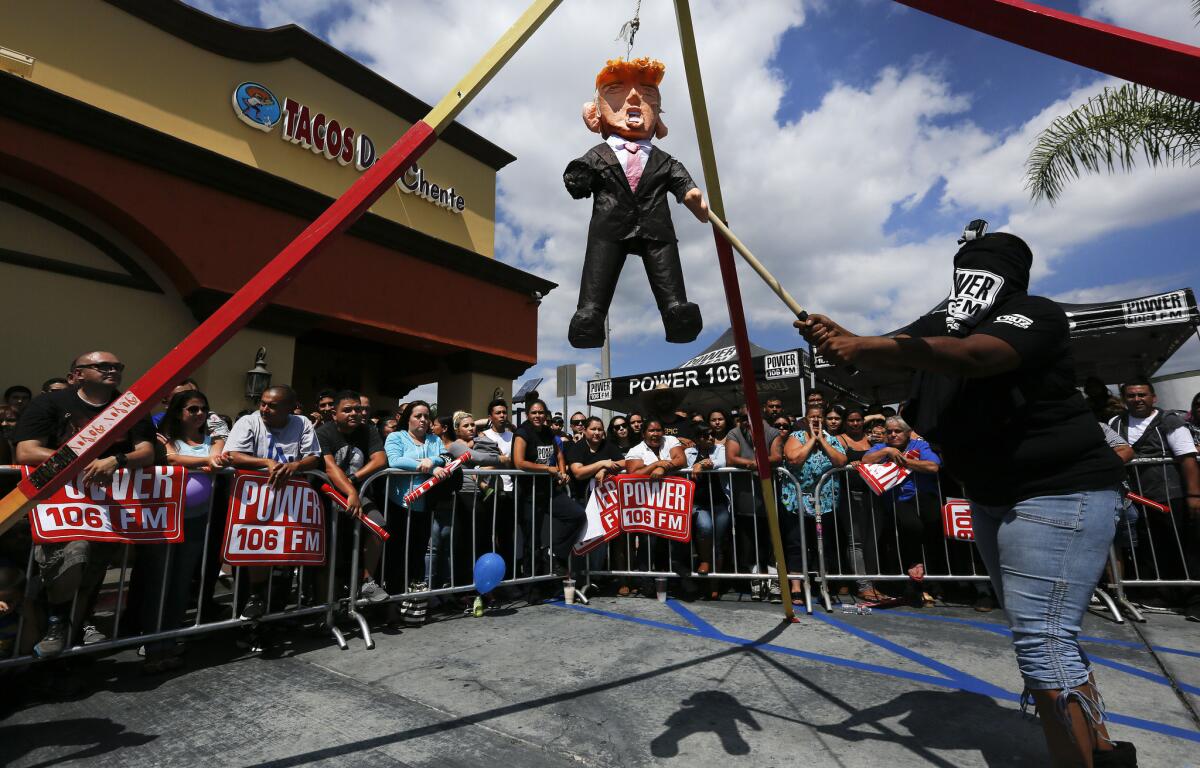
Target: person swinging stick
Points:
(628, 179)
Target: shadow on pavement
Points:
(702, 712)
(97, 734)
(351, 748)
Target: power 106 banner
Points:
(269, 526)
(956, 520)
(631, 504)
(138, 506)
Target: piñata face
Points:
(629, 109)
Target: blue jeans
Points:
(1045, 556)
(707, 522)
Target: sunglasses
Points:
(576, 422)
(194, 409)
(620, 426)
(104, 367)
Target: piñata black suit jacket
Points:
(619, 213)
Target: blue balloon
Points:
(489, 571)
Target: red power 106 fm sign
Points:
(274, 526)
(631, 504)
(137, 506)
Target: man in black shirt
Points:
(353, 451)
(49, 421)
(1043, 484)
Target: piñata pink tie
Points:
(633, 167)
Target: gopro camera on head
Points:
(975, 230)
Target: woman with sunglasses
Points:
(914, 503)
(191, 445)
(620, 436)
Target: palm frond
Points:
(1196, 10)
(1108, 132)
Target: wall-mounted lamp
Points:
(258, 378)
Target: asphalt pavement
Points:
(623, 682)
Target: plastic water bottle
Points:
(861, 610)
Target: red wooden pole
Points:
(1162, 64)
(137, 402)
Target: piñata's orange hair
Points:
(645, 70)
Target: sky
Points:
(854, 139)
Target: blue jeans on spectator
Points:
(710, 522)
(1045, 556)
(168, 586)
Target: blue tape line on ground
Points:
(960, 682)
(945, 669)
(862, 666)
(1000, 629)
(633, 619)
(1145, 675)
(694, 620)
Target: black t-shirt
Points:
(582, 453)
(679, 426)
(350, 452)
(53, 418)
(540, 448)
(1027, 432)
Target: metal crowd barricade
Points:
(1154, 551)
(301, 607)
(742, 554)
(514, 525)
(867, 529)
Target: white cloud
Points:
(812, 197)
(1112, 292)
(1171, 19)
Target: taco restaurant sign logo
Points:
(258, 107)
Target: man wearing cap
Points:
(1044, 485)
(628, 179)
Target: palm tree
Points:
(1109, 131)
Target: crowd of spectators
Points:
(534, 517)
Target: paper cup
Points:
(569, 591)
(660, 586)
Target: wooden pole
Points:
(137, 401)
(733, 293)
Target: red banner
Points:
(633, 504)
(138, 506)
(274, 527)
(603, 515)
(956, 520)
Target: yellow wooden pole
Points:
(486, 68)
(716, 204)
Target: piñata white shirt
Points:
(618, 146)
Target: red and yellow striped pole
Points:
(137, 402)
(733, 292)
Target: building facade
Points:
(153, 158)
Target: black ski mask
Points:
(988, 271)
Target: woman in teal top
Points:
(415, 448)
(810, 453)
